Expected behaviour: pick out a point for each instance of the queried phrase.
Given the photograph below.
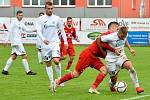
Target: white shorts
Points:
(49, 54)
(115, 67)
(18, 49)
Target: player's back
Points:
(95, 49)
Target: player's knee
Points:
(75, 74)
(14, 56)
(127, 65)
(104, 70)
(56, 61)
(48, 63)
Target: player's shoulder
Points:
(15, 21)
(42, 17)
(55, 16)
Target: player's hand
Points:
(46, 42)
(132, 51)
(66, 46)
(117, 51)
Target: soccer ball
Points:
(121, 86)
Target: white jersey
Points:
(47, 29)
(114, 41)
(16, 28)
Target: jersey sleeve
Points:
(107, 38)
(61, 29)
(74, 34)
(38, 27)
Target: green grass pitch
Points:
(19, 86)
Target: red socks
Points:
(66, 77)
(69, 65)
(98, 80)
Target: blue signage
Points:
(138, 38)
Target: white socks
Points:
(40, 56)
(58, 70)
(8, 64)
(134, 77)
(49, 71)
(26, 65)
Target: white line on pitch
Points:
(137, 97)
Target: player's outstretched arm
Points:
(130, 48)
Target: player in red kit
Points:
(89, 57)
(70, 32)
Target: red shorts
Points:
(87, 59)
(70, 51)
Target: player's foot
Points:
(31, 73)
(62, 85)
(112, 89)
(139, 90)
(53, 87)
(92, 90)
(5, 72)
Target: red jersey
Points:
(70, 32)
(95, 49)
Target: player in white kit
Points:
(39, 45)
(16, 28)
(47, 28)
(114, 62)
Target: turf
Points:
(19, 86)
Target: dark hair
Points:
(41, 13)
(111, 23)
(69, 18)
(48, 3)
(18, 12)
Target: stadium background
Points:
(133, 13)
(90, 16)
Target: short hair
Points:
(41, 13)
(48, 3)
(18, 12)
(123, 30)
(111, 23)
(69, 18)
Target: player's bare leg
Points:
(133, 75)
